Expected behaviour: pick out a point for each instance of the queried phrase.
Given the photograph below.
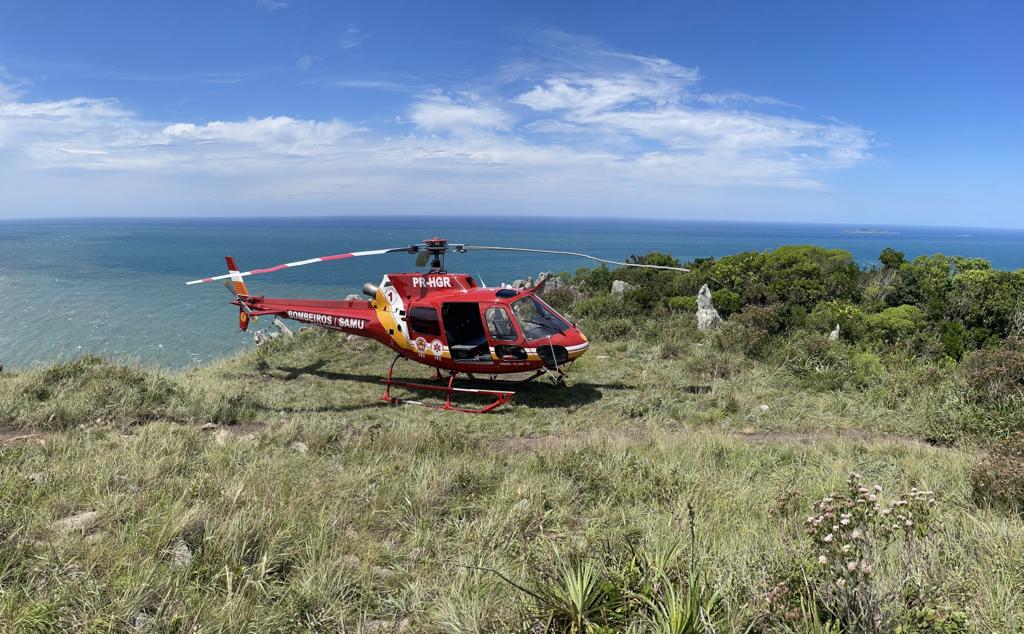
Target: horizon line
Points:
(456, 216)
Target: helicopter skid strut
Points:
(501, 397)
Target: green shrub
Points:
(820, 364)
(998, 479)
(853, 323)
(996, 375)
(896, 323)
(726, 302)
(681, 304)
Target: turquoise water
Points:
(117, 287)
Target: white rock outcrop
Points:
(707, 317)
(619, 287)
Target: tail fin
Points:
(236, 280)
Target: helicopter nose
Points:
(575, 343)
(562, 348)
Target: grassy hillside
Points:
(679, 483)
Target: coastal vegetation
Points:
(763, 477)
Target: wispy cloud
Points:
(351, 37)
(273, 5)
(575, 124)
(306, 62)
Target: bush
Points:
(726, 301)
(996, 375)
(820, 364)
(680, 304)
(998, 480)
(896, 323)
(853, 323)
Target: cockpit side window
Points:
(499, 325)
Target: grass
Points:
(408, 519)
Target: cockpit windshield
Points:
(536, 319)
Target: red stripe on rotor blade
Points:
(270, 270)
(341, 256)
(231, 263)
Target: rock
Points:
(299, 446)
(208, 427)
(382, 572)
(222, 437)
(764, 408)
(181, 554)
(707, 317)
(37, 478)
(77, 523)
(519, 284)
(834, 335)
(405, 625)
(143, 622)
(351, 561)
(619, 287)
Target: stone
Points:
(707, 317)
(77, 523)
(222, 437)
(37, 478)
(620, 287)
(181, 554)
(352, 561)
(299, 446)
(834, 335)
(764, 408)
(208, 427)
(375, 626)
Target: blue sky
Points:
(862, 112)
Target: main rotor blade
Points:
(467, 247)
(289, 265)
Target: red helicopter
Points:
(440, 319)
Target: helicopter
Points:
(443, 320)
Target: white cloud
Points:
(440, 113)
(267, 132)
(591, 129)
(306, 62)
(273, 5)
(351, 37)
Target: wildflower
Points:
(844, 521)
(827, 538)
(878, 488)
(886, 511)
(857, 533)
(846, 548)
(851, 566)
(841, 582)
(908, 523)
(865, 568)
(823, 560)
(872, 498)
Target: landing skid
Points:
(501, 397)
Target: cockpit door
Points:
(503, 336)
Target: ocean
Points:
(117, 287)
